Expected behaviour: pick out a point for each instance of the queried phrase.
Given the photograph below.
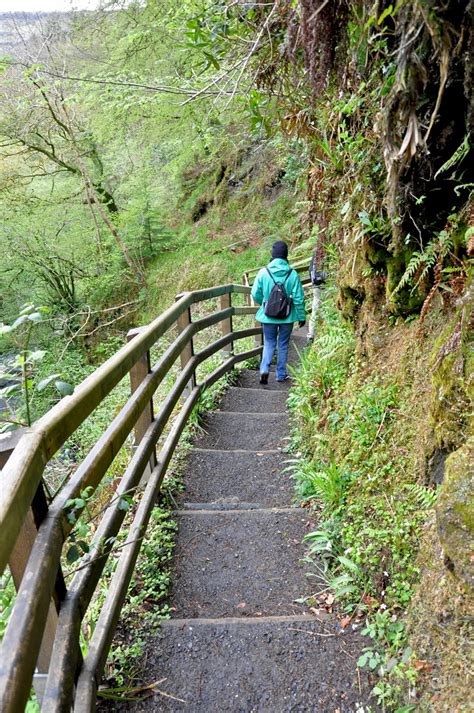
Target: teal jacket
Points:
(263, 286)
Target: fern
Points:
(424, 497)
(460, 153)
(425, 260)
(416, 260)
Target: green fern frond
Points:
(426, 259)
(460, 153)
(415, 261)
(424, 497)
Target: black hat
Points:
(280, 249)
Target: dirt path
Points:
(238, 641)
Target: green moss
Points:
(450, 406)
(439, 621)
(455, 512)
(377, 255)
(408, 300)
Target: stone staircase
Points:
(238, 640)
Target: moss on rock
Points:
(455, 512)
(450, 406)
(439, 623)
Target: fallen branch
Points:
(311, 633)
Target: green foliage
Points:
(151, 580)
(327, 483)
(353, 469)
(423, 496)
(391, 659)
(321, 371)
(461, 152)
(422, 261)
(7, 601)
(25, 368)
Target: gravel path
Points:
(238, 640)
(233, 478)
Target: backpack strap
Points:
(286, 276)
(276, 283)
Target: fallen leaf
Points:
(242, 605)
(344, 622)
(369, 601)
(330, 599)
(421, 665)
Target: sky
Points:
(46, 5)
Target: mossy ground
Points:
(439, 621)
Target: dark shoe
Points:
(264, 378)
(285, 378)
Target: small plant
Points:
(81, 530)
(425, 497)
(391, 658)
(376, 226)
(24, 368)
(422, 261)
(7, 600)
(326, 482)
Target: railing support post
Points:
(184, 320)
(245, 281)
(226, 324)
(138, 373)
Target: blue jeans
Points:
(274, 334)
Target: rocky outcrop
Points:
(455, 512)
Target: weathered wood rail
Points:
(43, 632)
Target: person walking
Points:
(318, 279)
(277, 329)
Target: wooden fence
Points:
(42, 639)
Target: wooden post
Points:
(19, 558)
(138, 373)
(226, 324)
(247, 284)
(184, 320)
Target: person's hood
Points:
(279, 268)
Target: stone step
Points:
(249, 379)
(254, 400)
(239, 563)
(292, 665)
(215, 476)
(246, 431)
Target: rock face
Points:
(455, 512)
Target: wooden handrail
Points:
(22, 476)
(22, 473)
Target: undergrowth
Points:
(353, 464)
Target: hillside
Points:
(167, 150)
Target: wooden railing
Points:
(43, 633)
